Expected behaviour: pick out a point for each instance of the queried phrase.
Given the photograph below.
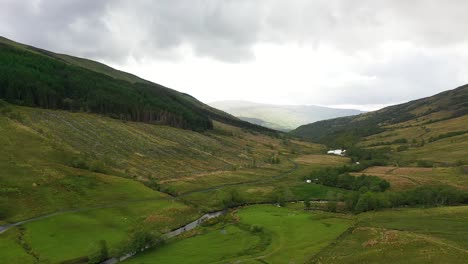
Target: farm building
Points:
(339, 152)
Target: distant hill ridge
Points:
(281, 117)
(347, 131)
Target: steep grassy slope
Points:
(281, 117)
(102, 176)
(34, 77)
(425, 132)
(349, 130)
(57, 159)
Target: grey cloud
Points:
(226, 30)
(116, 30)
(405, 77)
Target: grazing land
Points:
(436, 235)
(261, 233)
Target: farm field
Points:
(262, 233)
(436, 235)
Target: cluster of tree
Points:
(396, 141)
(233, 198)
(99, 253)
(340, 178)
(368, 157)
(140, 239)
(32, 79)
(281, 195)
(447, 135)
(422, 196)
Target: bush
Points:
(100, 255)
(79, 163)
(402, 148)
(97, 166)
(281, 195)
(256, 229)
(232, 199)
(331, 206)
(139, 240)
(84, 162)
(425, 163)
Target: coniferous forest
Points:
(32, 79)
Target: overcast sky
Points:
(360, 53)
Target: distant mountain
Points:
(281, 117)
(34, 77)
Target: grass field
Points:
(292, 186)
(436, 235)
(74, 235)
(404, 178)
(322, 160)
(287, 236)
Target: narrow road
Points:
(117, 204)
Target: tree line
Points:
(427, 196)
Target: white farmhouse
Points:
(339, 152)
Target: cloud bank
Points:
(329, 52)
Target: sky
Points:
(362, 54)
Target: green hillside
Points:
(87, 175)
(415, 126)
(110, 177)
(34, 77)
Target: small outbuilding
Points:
(338, 152)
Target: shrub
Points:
(402, 148)
(79, 163)
(232, 199)
(97, 166)
(331, 206)
(99, 255)
(425, 163)
(256, 229)
(138, 240)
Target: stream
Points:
(176, 232)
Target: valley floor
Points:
(103, 182)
